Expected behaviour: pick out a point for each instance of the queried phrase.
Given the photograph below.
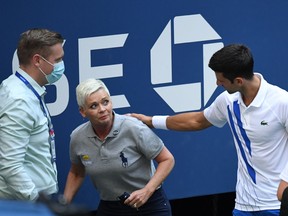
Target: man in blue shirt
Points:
(27, 148)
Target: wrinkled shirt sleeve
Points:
(15, 129)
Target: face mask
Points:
(57, 72)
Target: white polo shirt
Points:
(284, 173)
(261, 139)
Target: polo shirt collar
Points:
(118, 119)
(259, 99)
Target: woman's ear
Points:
(82, 112)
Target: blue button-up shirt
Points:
(25, 158)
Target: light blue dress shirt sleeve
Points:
(15, 132)
(25, 158)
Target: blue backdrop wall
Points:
(153, 57)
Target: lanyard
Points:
(46, 114)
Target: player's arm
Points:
(189, 121)
(282, 186)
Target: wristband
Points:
(159, 122)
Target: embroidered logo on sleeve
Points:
(86, 160)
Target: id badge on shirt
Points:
(52, 143)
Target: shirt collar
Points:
(260, 96)
(41, 90)
(118, 119)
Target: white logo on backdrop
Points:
(86, 45)
(187, 29)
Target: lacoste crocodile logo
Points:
(264, 122)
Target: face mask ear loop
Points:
(42, 71)
(46, 76)
(46, 61)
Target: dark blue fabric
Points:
(256, 213)
(157, 205)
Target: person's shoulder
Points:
(275, 90)
(79, 129)
(15, 89)
(226, 96)
(13, 94)
(128, 120)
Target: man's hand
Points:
(145, 119)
